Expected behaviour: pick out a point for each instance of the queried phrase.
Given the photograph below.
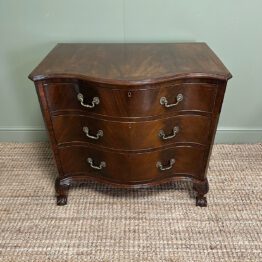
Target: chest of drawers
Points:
(131, 115)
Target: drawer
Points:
(131, 103)
(131, 135)
(132, 167)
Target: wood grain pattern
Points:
(130, 80)
(131, 103)
(137, 167)
(131, 135)
(131, 63)
(48, 123)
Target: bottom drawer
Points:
(132, 167)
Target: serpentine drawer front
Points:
(136, 102)
(139, 167)
(131, 135)
(131, 115)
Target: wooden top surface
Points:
(130, 63)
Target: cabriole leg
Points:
(201, 188)
(61, 192)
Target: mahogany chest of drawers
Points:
(131, 115)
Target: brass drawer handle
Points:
(163, 135)
(163, 101)
(95, 101)
(97, 136)
(102, 164)
(160, 166)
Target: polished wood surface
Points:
(131, 135)
(143, 102)
(137, 167)
(131, 63)
(130, 82)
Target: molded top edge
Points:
(131, 64)
(130, 82)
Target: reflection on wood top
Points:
(130, 63)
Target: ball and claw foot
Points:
(61, 187)
(201, 189)
(201, 201)
(61, 200)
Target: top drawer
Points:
(133, 102)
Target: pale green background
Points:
(30, 28)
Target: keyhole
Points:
(129, 94)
